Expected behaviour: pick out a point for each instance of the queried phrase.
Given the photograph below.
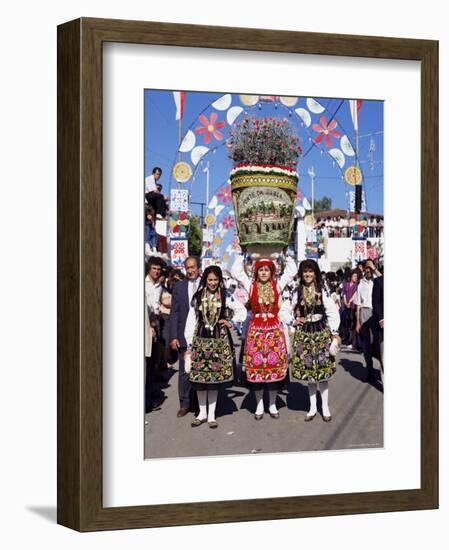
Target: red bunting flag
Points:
(180, 99)
(354, 106)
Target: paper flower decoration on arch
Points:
(224, 194)
(210, 127)
(326, 131)
(229, 222)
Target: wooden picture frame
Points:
(80, 274)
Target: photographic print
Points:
(263, 250)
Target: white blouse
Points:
(330, 307)
(239, 315)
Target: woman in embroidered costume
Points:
(210, 355)
(265, 354)
(316, 337)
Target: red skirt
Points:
(265, 355)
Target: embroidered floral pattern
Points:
(265, 354)
(311, 361)
(212, 359)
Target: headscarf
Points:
(253, 294)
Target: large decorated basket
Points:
(264, 183)
(264, 198)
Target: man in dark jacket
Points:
(183, 292)
(378, 320)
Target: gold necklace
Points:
(210, 308)
(310, 299)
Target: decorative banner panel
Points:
(179, 200)
(359, 251)
(179, 250)
(179, 224)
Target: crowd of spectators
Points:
(342, 227)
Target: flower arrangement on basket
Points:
(264, 141)
(265, 152)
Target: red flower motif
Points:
(228, 222)
(326, 131)
(210, 127)
(179, 248)
(224, 193)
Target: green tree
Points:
(322, 205)
(195, 236)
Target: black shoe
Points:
(370, 375)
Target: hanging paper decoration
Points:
(218, 209)
(249, 100)
(222, 103)
(288, 101)
(179, 200)
(306, 204)
(179, 250)
(208, 235)
(213, 203)
(188, 143)
(198, 153)
(232, 114)
(314, 106)
(338, 156)
(346, 146)
(325, 131)
(210, 127)
(304, 115)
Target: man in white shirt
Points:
(152, 285)
(364, 313)
(153, 196)
(152, 299)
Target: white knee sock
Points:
(259, 401)
(324, 390)
(312, 397)
(273, 394)
(212, 400)
(202, 398)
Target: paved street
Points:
(356, 406)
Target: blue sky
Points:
(161, 144)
